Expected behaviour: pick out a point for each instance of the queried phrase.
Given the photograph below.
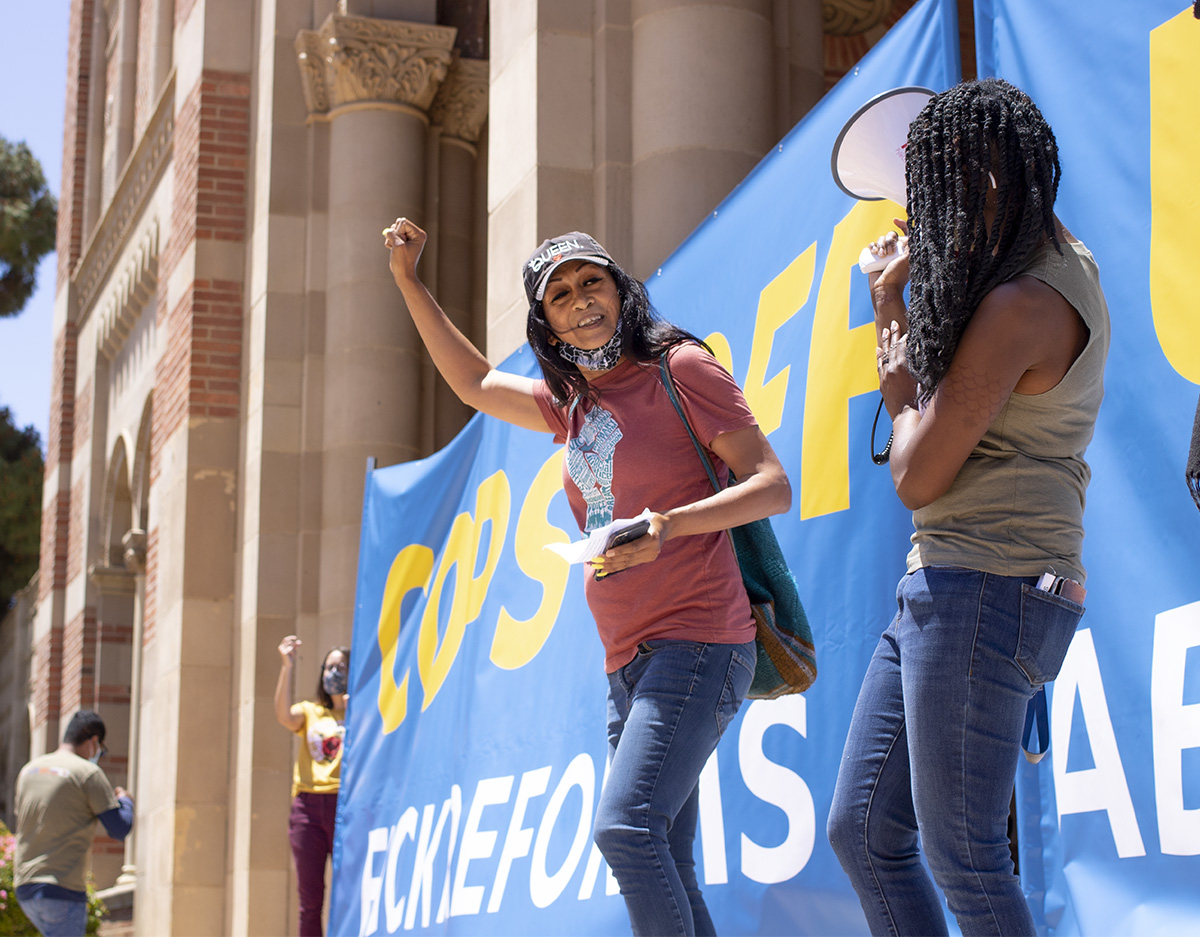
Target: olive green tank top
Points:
(1016, 506)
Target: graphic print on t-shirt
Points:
(590, 464)
(325, 740)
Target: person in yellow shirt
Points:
(320, 723)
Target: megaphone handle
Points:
(869, 261)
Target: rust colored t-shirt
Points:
(629, 451)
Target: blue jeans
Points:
(667, 709)
(56, 917)
(933, 748)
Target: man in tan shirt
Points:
(60, 796)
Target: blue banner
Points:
(476, 744)
(1110, 821)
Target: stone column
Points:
(613, 143)
(799, 60)
(373, 81)
(703, 112)
(134, 544)
(459, 111)
(541, 146)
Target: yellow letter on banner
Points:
(779, 300)
(462, 550)
(517, 642)
(721, 349)
(411, 569)
(841, 365)
(1175, 205)
(493, 501)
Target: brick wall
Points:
(74, 165)
(54, 562)
(150, 600)
(103, 845)
(47, 661)
(76, 531)
(211, 153)
(60, 435)
(47, 680)
(170, 376)
(224, 156)
(82, 431)
(52, 571)
(60, 443)
(199, 372)
(61, 438)
(216, 348)
(79, 663)
(113, 640)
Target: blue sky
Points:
(33, 81)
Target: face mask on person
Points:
(604, 358)
(334, 682)
(99, 753)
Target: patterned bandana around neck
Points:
(604, 358)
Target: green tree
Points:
(28, 218)
(20, 505)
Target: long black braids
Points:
(966, 137)
(644, 336)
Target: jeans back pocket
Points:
(737, 683)
(1048, 624)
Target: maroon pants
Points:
(310, 831)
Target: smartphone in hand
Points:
(627, 534)
(624, 535)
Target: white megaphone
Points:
(868, 155)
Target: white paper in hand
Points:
(593, 545)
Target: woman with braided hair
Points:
(993, 376)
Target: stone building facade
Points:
(229, 347)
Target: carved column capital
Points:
(356, 60)
(851, 17)
(461, 104)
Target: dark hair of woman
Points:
(975, 129)
(322, 697)
(644, 337)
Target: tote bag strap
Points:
(669, 386)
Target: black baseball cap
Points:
(557, 251)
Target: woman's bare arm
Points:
(284, 712)
(1023, 338)
(507, 397)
